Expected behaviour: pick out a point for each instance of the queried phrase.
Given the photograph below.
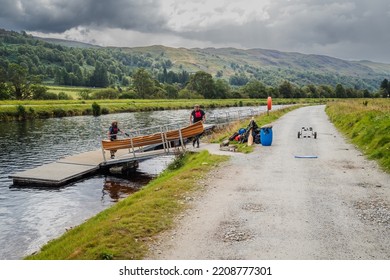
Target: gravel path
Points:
(271, 205)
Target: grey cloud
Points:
(346, 28)
(349, 29)
(8, 7)
(59, 16)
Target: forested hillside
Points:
(270, 67)
(61, 62)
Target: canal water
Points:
(32, 216)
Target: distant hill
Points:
(270, 66)
(67, 43)
(73, 63)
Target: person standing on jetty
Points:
(197, 115)
(112, 135)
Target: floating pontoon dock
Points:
(130, 150)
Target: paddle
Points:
(250, 138)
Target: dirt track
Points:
(271, 205)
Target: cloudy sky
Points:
(355, 29)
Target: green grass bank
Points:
(366, 122)
(40, 109)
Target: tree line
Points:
(19, 85)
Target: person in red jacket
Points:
(197, 115)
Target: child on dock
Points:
(112, 135)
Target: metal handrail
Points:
(162, 130)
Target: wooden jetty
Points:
(130, 150)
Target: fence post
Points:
(164, 139)
(132, 145)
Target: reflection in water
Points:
(118, 187)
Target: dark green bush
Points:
(96, 110)
(21, 111)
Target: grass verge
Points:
(124, 230)
(367, 124)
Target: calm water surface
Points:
(30, 217)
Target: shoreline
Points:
(24, 110)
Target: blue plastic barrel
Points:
(266, 136)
